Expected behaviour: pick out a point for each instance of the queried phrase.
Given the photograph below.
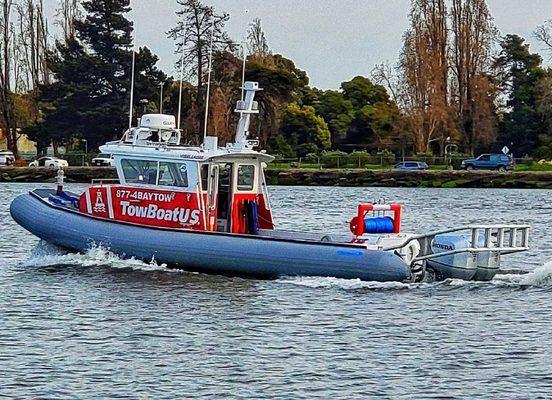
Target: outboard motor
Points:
(461, 265)
(481, 266)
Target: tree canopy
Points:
(90, 95)
(450, 83)
(522, 122)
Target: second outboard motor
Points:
(461, 265)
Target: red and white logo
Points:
(99, 206)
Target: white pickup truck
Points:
(6, 158)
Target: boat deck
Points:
(66, 199)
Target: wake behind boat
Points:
(207, 208)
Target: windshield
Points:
(106, 156)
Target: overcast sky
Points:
(332, 40)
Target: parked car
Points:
(498, 162)
(49, 162)
(103, 160)
(411, 166)
(6, 158)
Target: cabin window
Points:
(205, 177)
(143, 172)
(147, 172)
(246, 177)
(173, 174)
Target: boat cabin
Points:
(164, 184)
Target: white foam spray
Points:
(45, 255)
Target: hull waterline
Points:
(207, 251)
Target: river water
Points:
(96, 326)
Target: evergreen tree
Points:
(522, 123)
(90, 96)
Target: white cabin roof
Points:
(198, 154)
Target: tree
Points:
(544, 35)
(521, 124)
(338, 112)
(90, 95)
(474, 35)
(283, 83)
(197, 23)
(257, 43)
(544, 108)
(423, 92)
(360, 91)
(373, 125)
(7, 103)
(301, 127)
(385, 75)
(67, 13)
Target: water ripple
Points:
(95, 326)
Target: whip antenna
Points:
(180, 89)
(209, 81)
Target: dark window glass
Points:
(143, 172)
(246, 177)
(173, 174)
(205, 176)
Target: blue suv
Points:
(498, 162)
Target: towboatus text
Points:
(152, 211)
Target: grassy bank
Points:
(533, 167)
(329, 177)
(430, 179)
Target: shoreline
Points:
(326, 177)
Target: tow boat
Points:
(206, 208)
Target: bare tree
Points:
(386, 75)
(474, 34)
(424, 68)
(32, 43)
(67, 13)
(544, 35)
(257, 43)
(23, 48)
(544, 100)
(197, 25)
(193, 35)
(6, 69)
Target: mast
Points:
(243, 68)
(245, 108)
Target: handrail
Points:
(100, 181)
(472, 228)
(508, 239)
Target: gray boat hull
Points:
(209, 252)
